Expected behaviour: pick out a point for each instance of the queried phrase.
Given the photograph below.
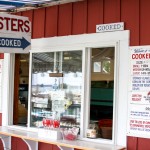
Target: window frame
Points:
(30, 81)
(119, 39)
(88, 94)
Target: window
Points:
(102, 93)
(56, 88)
(63, 73)
(101, 60)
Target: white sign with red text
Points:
(140, 97)
(15, 34)
(139, 92)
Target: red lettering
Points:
(1, 23)
(147, 56)
(7, 22)
(20, 25)
(133, 56)
(26, 24)
(13, 24)
(141, 56)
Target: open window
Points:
(101, 93)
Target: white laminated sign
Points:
(139, 92)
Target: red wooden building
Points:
(82, 17)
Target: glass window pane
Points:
(97, 67)
(102, 87)
(56, 88)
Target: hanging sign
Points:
(139, 92)
(110, 27)
(15, 34)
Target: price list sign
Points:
(139, 92)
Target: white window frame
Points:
(30, 71)
(115, 95)
(119, 40)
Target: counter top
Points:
(78, 144)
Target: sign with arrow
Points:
(14, 42)
(15, 34)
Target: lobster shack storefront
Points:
(74, 76)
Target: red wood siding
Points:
(143, 144)
(97, 17)
(111, 11)
(51, 21)
(132, 143)
(79, 24)
(130, 15)
(82, 17)
(45, 146)
(1, 56)
(144, 22)
(38, 23)
(1, 145)
(65, 19)
(18, 144)
(28, 14)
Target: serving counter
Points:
(32, 139)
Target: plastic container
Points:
(106, 132)
(70, 134)
(105, 126)
(105, 123)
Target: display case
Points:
(56, 86)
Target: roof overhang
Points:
(11, 6)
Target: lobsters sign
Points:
(15, 34)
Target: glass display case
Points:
(56, 86)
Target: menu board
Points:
(139, 92)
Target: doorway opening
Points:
(21, 83)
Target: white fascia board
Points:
(63, 42)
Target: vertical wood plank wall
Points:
(82, 17)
